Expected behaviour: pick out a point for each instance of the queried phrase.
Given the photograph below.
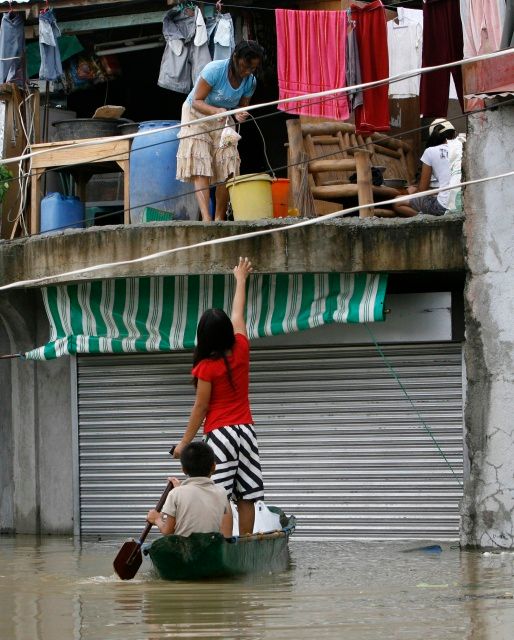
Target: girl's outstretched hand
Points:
(242, 269)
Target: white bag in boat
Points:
(265, 520)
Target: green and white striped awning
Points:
(162, 313)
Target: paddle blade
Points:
(128, 560)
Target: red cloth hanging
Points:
(311, 58)
(371, 31)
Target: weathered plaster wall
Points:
(54, 399)
(20, 487)
(488, 505)
(35, 425)
(6, 435)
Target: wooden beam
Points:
(111, 22)
(364, 184)
(294, 135)
(33, 9)
(317, 166)
(326, 128)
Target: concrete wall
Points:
(6, 436)
(488, 505)
(35, 425)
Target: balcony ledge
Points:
(423, 243)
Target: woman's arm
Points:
(241, 272)
(198, 413)
(244, 102)
(203, 89)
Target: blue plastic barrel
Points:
(153, 168)
(61, 212)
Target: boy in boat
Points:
(196, 505)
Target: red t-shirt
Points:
(228, 404)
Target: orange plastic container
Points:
(280, 195)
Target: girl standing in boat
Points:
(221, 376)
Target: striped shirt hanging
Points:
(162, 313)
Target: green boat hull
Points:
(210, 555)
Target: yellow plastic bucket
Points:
(250, 196)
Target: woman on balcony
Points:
(435, 163)
(202, 158)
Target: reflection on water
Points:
(56, 588)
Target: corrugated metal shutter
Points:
(341, 446)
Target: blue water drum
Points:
(61, 212)
(153, 169)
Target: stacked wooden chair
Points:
(323, 155)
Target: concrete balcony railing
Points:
(423, 243)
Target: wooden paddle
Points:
(129, 558)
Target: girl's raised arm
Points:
(241, 272)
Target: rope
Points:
(402, 387)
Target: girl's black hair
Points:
(214, 338)
(439, 136)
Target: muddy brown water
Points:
(57, 588)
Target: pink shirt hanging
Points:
(482, 27)
(311, 58)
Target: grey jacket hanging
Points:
(186, 52)
(12, 49)
(49, 32)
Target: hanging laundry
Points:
(244, 27)
(404, 43)
(220, 33)
(311, 58)
(186, 52)
(12, 49)
(49, 32)
(371, 32)
(353, 70)
(410, 15)
(442, 43)
(482, 23)
(416, 16)
(508, 26)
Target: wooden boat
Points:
(210, 555)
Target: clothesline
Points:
(245, 236)
(257, 8)
(230, 112)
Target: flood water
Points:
(56, 588)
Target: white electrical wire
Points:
(307, 96)
(245, 236)
(24, 176)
